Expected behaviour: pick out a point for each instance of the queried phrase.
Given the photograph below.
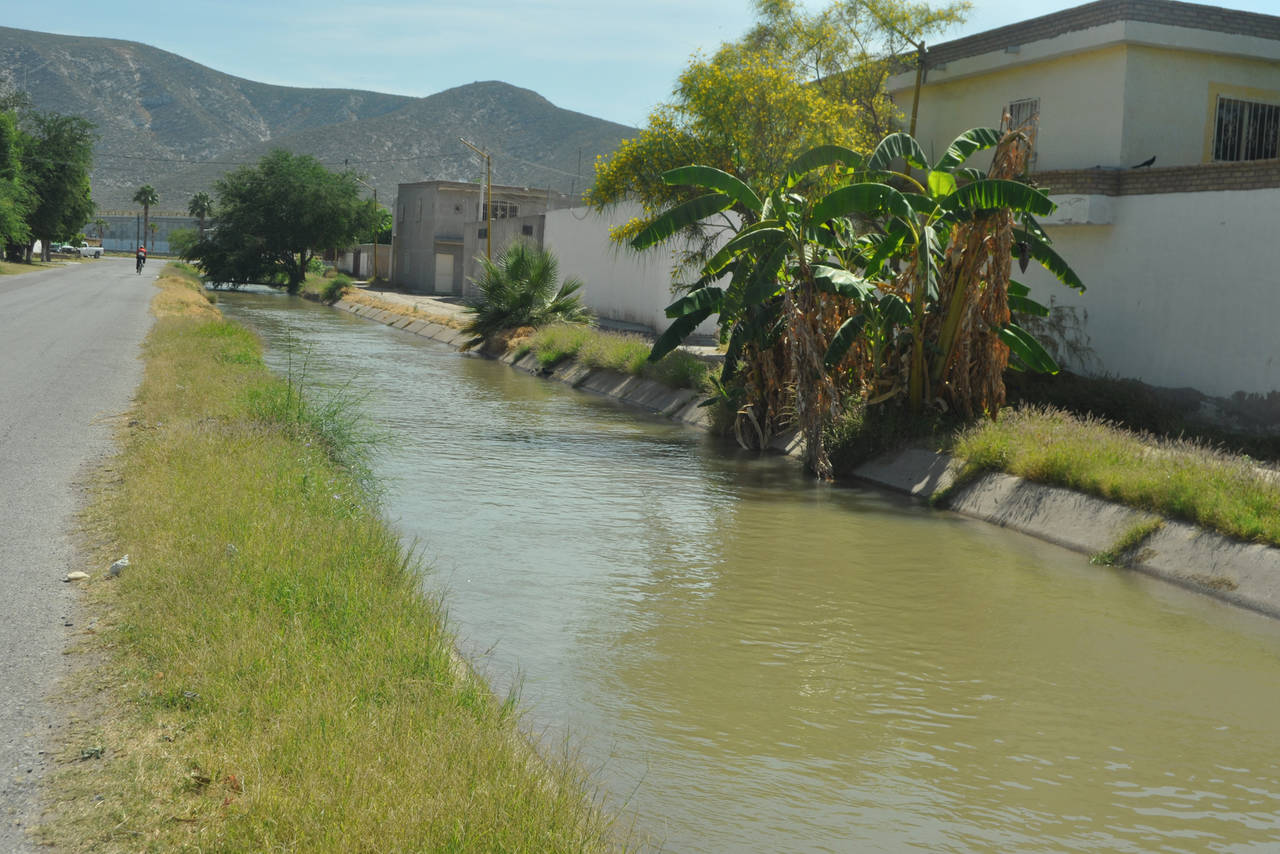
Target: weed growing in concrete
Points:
(1126, 546)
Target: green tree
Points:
(57, 155)
(201, 207)
(385, 224)
(100, 226)
(522, 288)
(850, 48)
(15, 198)
(183, 240)
(146, 196)
(273, 215)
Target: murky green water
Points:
(753, 662)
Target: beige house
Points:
(441, 225)
(1158, 125)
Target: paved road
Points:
(69, 360)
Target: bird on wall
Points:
(1144, 164)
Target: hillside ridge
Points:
(178, 125)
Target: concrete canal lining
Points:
(1244, 574)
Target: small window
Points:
(526, 230)
(1246, 130)
(483, 232)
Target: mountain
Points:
(178, 125)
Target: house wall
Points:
(1171, 101)
(505, 232)
(358, 261)
(1183, 290)
(1082, 107)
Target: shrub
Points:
(333, 289)
(519, 289)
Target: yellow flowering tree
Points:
(796, 81)
(743, 111)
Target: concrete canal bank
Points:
(1244, 574)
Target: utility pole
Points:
(488, 207)
(375, 228)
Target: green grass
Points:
(1176, 479)
(622, 352)
(269, 674)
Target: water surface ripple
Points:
(754, 662)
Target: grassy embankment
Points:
(1178, 479)
(270, 676)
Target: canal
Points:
(749, 661)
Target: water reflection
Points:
(758, 662)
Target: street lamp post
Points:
(488, 208)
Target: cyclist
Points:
(142, 258)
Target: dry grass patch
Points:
(275, 678)
(360, 297)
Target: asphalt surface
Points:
(69, 361)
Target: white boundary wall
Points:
(619, 284)
(1183, 289)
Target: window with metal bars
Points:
(1025, 115)
(501, 210)
(1246, 130)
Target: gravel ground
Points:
(69, 362)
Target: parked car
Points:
(90, 251)
(63, 249)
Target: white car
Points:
(90, 251)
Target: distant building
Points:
(123, 231)
(1157, 133)
(441, 225)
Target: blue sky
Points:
(615, 60)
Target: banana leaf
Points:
(1050, 260)
(964, 147)
(1026, 352)
(710, 178)
(897, 146)
(843, 339)
(681, 216)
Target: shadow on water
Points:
(760, 662)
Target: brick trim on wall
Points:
(1200, 178)
(1170, 12)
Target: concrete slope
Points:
(69, 348)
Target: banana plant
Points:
(762, 282)
(955, 244)
(922, 265)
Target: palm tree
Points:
(154, 227)
(146, 196)
(519, 289)
(100, 225)
(201, 207)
